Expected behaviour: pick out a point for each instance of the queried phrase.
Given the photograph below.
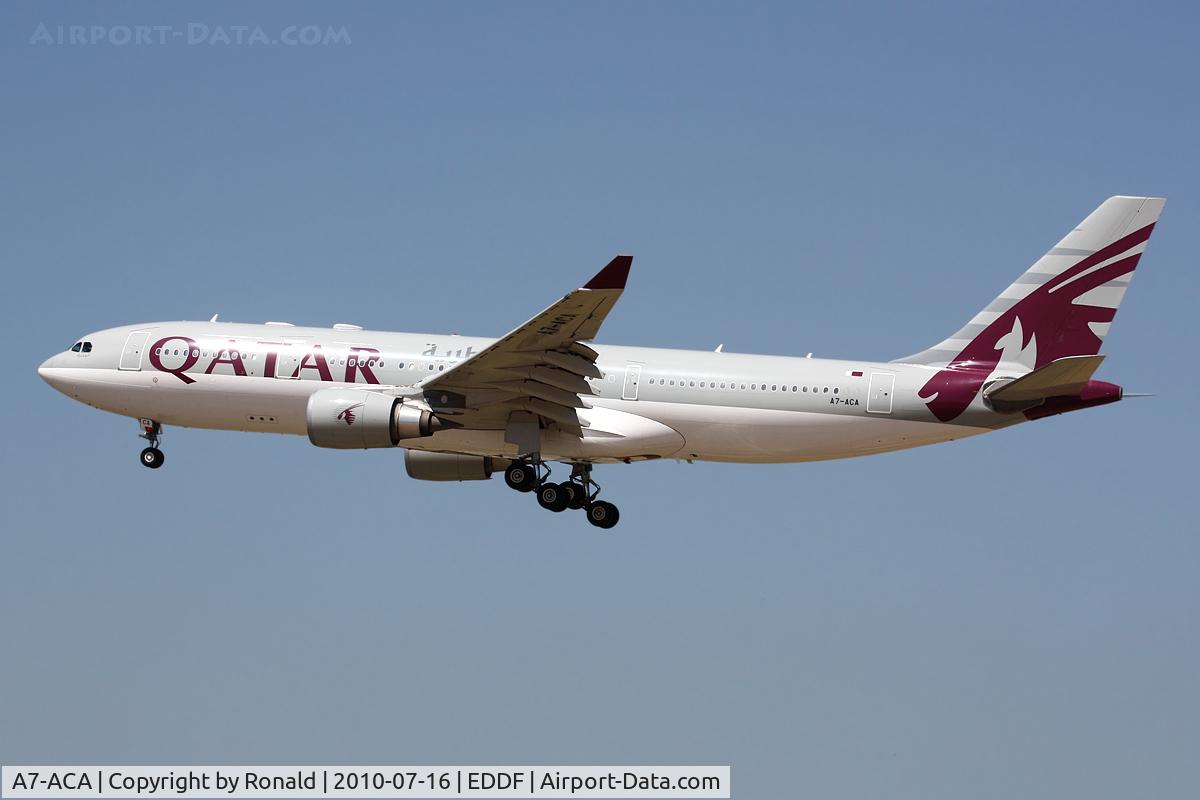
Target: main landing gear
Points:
(577, 493)
(151, 457)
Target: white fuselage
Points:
(649, 403)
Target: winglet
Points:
(613, 276)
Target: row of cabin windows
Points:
(774, 387)
(166, 351)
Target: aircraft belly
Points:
(228, 402)
(610, 435)
(723, 433)
(223, 402)
(616, 435)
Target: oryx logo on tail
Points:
(1062, 306)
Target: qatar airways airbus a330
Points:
(464, 407)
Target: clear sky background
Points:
(1009, 616)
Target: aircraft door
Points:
(135, 346)
(879, 397)
(633, 376)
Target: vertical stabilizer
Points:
(1061, 306)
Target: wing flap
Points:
(542, 392)
(549, 376)
(572, 363)
(561, 414)
(567, 381)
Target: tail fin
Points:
(1063, 305)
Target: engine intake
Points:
(426, 466)
(354, 419)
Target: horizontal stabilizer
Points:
(1063, 377)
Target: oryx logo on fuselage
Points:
(1048, 323)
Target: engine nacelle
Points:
(355, 419)
(425, 466)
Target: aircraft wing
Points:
(540, 367)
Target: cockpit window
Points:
(87, 347)
(77, 347)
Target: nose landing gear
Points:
(579, 493)
(151, 456)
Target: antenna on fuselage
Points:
(214, 317)
(718, 350)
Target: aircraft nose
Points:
(51, 373)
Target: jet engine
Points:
(355, 419)
(426, 466)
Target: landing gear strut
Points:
(151, 457)
(600, 513)
(579, 492)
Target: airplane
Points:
(463, 408)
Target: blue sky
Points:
(1013, 615)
